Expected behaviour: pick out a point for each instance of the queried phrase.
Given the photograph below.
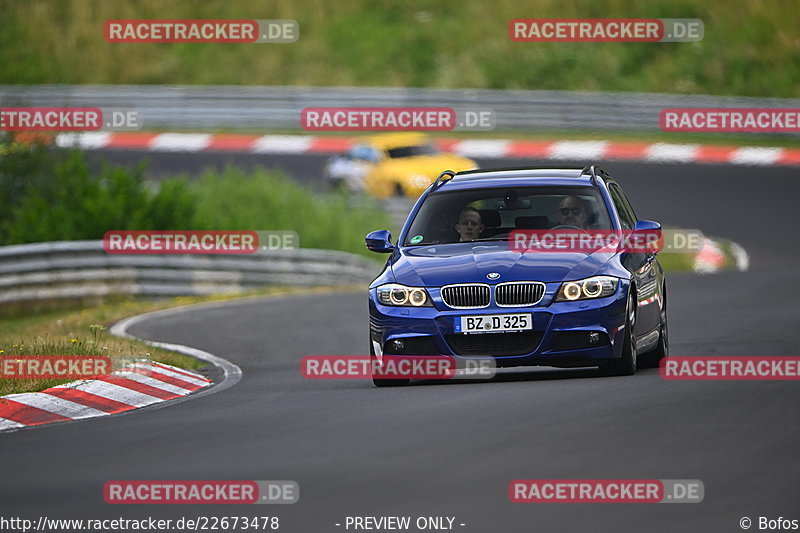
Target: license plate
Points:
(493, 323)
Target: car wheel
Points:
(653, 358)
(384, 382)
(625, 365)
(337, 185)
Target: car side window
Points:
(626, 216)
(627, 204)
(364, 152)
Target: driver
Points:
(572, 212)
(469, 225)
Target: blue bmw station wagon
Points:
(455, 286)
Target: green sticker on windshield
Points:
(415, 239)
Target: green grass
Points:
(262, 200)
(676, 262)
(79, 332)
(750, 47)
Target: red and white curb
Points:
(489, 148)
(137, 385)
(141, 384)
(711, 258)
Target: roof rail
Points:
(593, 171)
(509, 169)
(441, 179)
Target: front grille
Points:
(466, 296)
(494, 344)
(519, 293)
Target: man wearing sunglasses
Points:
(572, 212)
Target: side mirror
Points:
(380, 241)
(647, 225)
(647, 235)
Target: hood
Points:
(437, 265)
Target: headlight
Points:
(402, 296)
(586, 289)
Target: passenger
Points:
(469, 225)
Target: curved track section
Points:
(452, 449)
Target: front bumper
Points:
(566, 334)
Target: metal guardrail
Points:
(82, 269)
(278, 107)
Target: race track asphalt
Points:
(452, 449)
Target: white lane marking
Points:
(282, 144)
(180, 142)
(487, 148)
(755, 155)
(55, 405)
(231, 373)
(578, 149)
(671, 152)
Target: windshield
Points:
(410, 151)
(363, 152)
(491, 214)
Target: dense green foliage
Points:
(750, 46)
(49, 196)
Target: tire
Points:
(336, 185)
(625, 365)
(652, 359)
(398, 191)
(385, 382)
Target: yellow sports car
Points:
(393, 164)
